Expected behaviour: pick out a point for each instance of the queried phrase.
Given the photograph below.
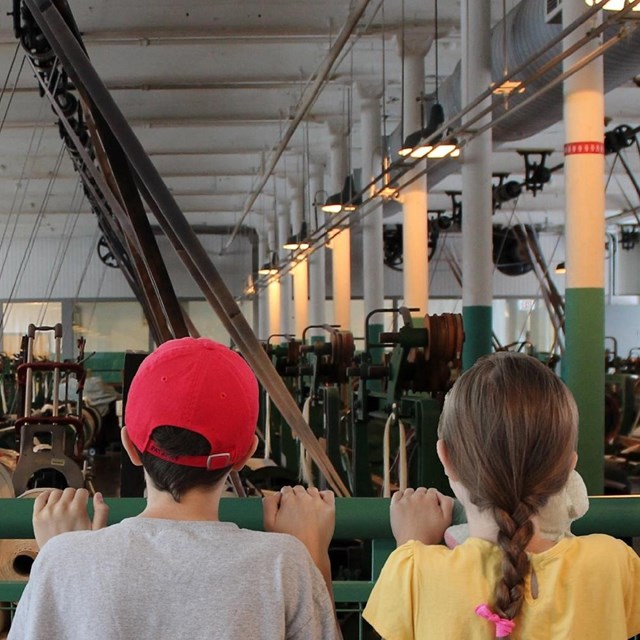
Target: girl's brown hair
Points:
(510, 426)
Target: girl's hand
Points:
(57, 511)
(421, 514)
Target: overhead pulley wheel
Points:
(36, 45)
(67, 102)
(105, 254)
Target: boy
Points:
(176, 571)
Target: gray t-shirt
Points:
(163, 579)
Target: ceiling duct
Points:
(528, 32)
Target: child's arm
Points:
(420, 514)
(310, 516)
(57, 511)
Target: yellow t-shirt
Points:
(588, 587)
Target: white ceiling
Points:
(209, 87)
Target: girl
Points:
(508, 435)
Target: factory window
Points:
(207, 322)
(17, 316)
(111, 326)
(519, 320)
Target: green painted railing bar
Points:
(10, 590)
(343, 591)
(366, 518)
(356, 517)
(617, 516)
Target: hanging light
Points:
(297, 240)
(508, 87)
(410, 143)
(436, 120)
(346, 200)
(269, 268)
(420, 144)
(561, 268)
(446, 148)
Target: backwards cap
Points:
(198, 385)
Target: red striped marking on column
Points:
(573, 148)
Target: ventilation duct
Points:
(528, 32)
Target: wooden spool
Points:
(16, 558)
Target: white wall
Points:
(26, 274)
(622, 321)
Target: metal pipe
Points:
(365, 518)
(307, 101)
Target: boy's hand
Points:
(57, 511)
(307, 514)
(420, 514)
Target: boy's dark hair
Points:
(177, 479)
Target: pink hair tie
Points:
(504, 626)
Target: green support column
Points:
(583, 371)
(477, 333)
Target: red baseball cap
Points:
(199, 385)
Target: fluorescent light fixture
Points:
(269, 268)
(421, 151)
(332, 208)
(297, 240)
(388, 191)
(291, 244)
(443, 150)
(508, 87)
(345, 200)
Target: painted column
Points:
(340, 243)
(284, 231)
(584, 170)
(317, 260)
(477, 208)
(262, 295)
(273, 289)
(372, 224)
(300, 272)
(274, 294)
(415, 227)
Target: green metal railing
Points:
(356, 518)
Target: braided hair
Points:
(510, 429)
